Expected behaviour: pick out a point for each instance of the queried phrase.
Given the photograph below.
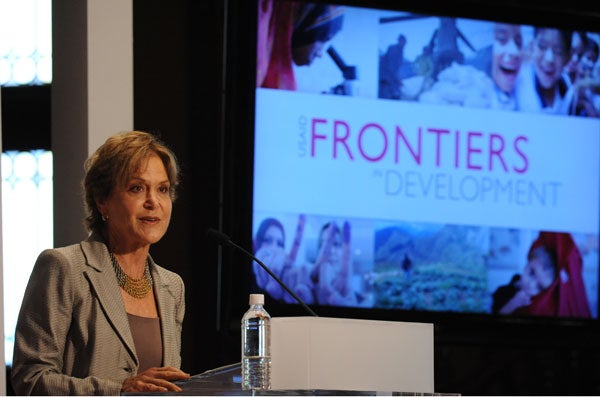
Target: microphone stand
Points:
(227, 241)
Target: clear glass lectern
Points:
(226, 381)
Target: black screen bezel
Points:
(237, 279)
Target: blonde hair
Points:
(113, 164)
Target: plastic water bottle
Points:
(256, 346)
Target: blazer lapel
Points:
(103, 281)
(164, 298)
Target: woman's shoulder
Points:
(61, 254)
(74, 255)
(58, 263)
(163, 271)
(166, 275)
(168, 279)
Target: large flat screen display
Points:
(422, 162)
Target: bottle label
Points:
(255, 337)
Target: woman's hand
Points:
(156, 379)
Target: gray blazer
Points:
(73, 336)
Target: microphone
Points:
(224, 240)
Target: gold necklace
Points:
(136, 287)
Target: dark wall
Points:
(170, 62)
(179, 92)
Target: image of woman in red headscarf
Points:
(551, 283)
(292, 33)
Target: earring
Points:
(104, 217)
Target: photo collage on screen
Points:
(410, 162)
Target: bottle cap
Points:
(257, 299)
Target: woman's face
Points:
(306, 54)
(586, 63)
(263, 45)
(549, 56)
(538, 274)
(507, 55)
(335, 249)
(575, 54)
(273, 239)
(140, 211)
